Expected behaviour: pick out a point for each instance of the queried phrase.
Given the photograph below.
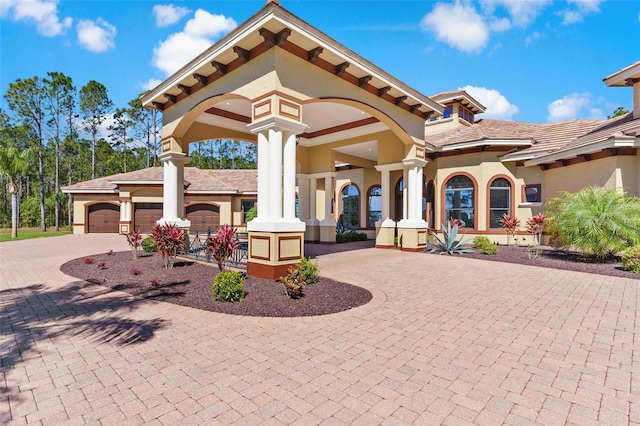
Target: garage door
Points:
(103, 217)
(146, 215)
(203, 216)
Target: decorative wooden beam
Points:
(184, 89)
(400, 99)
(631, 81)
(362, 81)
(544, 166)
(585, 157)
(383, 90)
(172, 98)
(427, 115)
(158, 105)
(201, 79)
(413, 108)
(221, 69)
(341, 68)
(268, 36)
(482, 148)
(564, 162)
(243, 54)
(314, 54)
(611, 151)
(435, 155)
(281, 37)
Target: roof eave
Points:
(586, 149)
(490, 142)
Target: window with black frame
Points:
(350, 206)
(499, 201)
(374, 206)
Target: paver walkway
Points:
(444, 340)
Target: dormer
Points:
(460, 110)
(627, 77)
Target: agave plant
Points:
(449, 243)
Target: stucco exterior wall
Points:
(602, 172)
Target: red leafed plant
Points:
(169, 241)
(135, 271)
(535, 226)
(222, 245)
(154, 282)
(88, 260)
(510, 224)
(110, 253)
(135, 241)
(102, 265)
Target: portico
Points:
(313, 107)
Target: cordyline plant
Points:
(448, 244)
(222, 245)
(169, 240)
(135, 241)
(510, 224)
(535, 225)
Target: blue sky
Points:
(526, 60)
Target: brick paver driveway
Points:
(444, 340)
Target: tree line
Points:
(54, 135)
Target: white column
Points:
(303, 197)
(263, 176)
(173, 189)
(125, 210)
(419, 192)
(410, 189)
(313, 196)
(275, 173)
(289, 176)
(385, 185)
(404, 193)
(328, 197)
(412, 217)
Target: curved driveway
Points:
(444, 340)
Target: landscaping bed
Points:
(549, 258)
(189, 284)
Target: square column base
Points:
(327, 232)
(385, 234)
(125, 227)
(412, 239)
(271, 254)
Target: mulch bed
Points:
(189, 284)
(549, 258)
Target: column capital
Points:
(419, 162)
(280, 123)
(174, 156)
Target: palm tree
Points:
(13, 164)
(598, 221)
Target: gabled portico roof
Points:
(275, 26)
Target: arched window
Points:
(459, 197)
(499, 201)
(350, 211)
(374, 205)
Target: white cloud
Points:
(152, 83)
(531, 37)
(179, 48)
(522, 13)
(458, 25)
(44, 13)
(168, 14)
(575, 105)
(582, 9)
(497, 105)
(499, 24)
(96, 36)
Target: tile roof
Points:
(197, 180)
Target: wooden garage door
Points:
(146, 215)
(103, 217)
(203, 216)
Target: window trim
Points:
(512, 200)
(367, 204)
(524, 193)
(443, 190)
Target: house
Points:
(338, 137)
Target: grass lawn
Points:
(28, 233)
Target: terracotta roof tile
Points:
(197, 180)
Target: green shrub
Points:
(485, 245)
(347, 237)
(228, 287)
(308, 270)
(631, 259)
(148, 245)
(597, 221)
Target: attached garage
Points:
(103, 217)
(203, 216)
(146, 215)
